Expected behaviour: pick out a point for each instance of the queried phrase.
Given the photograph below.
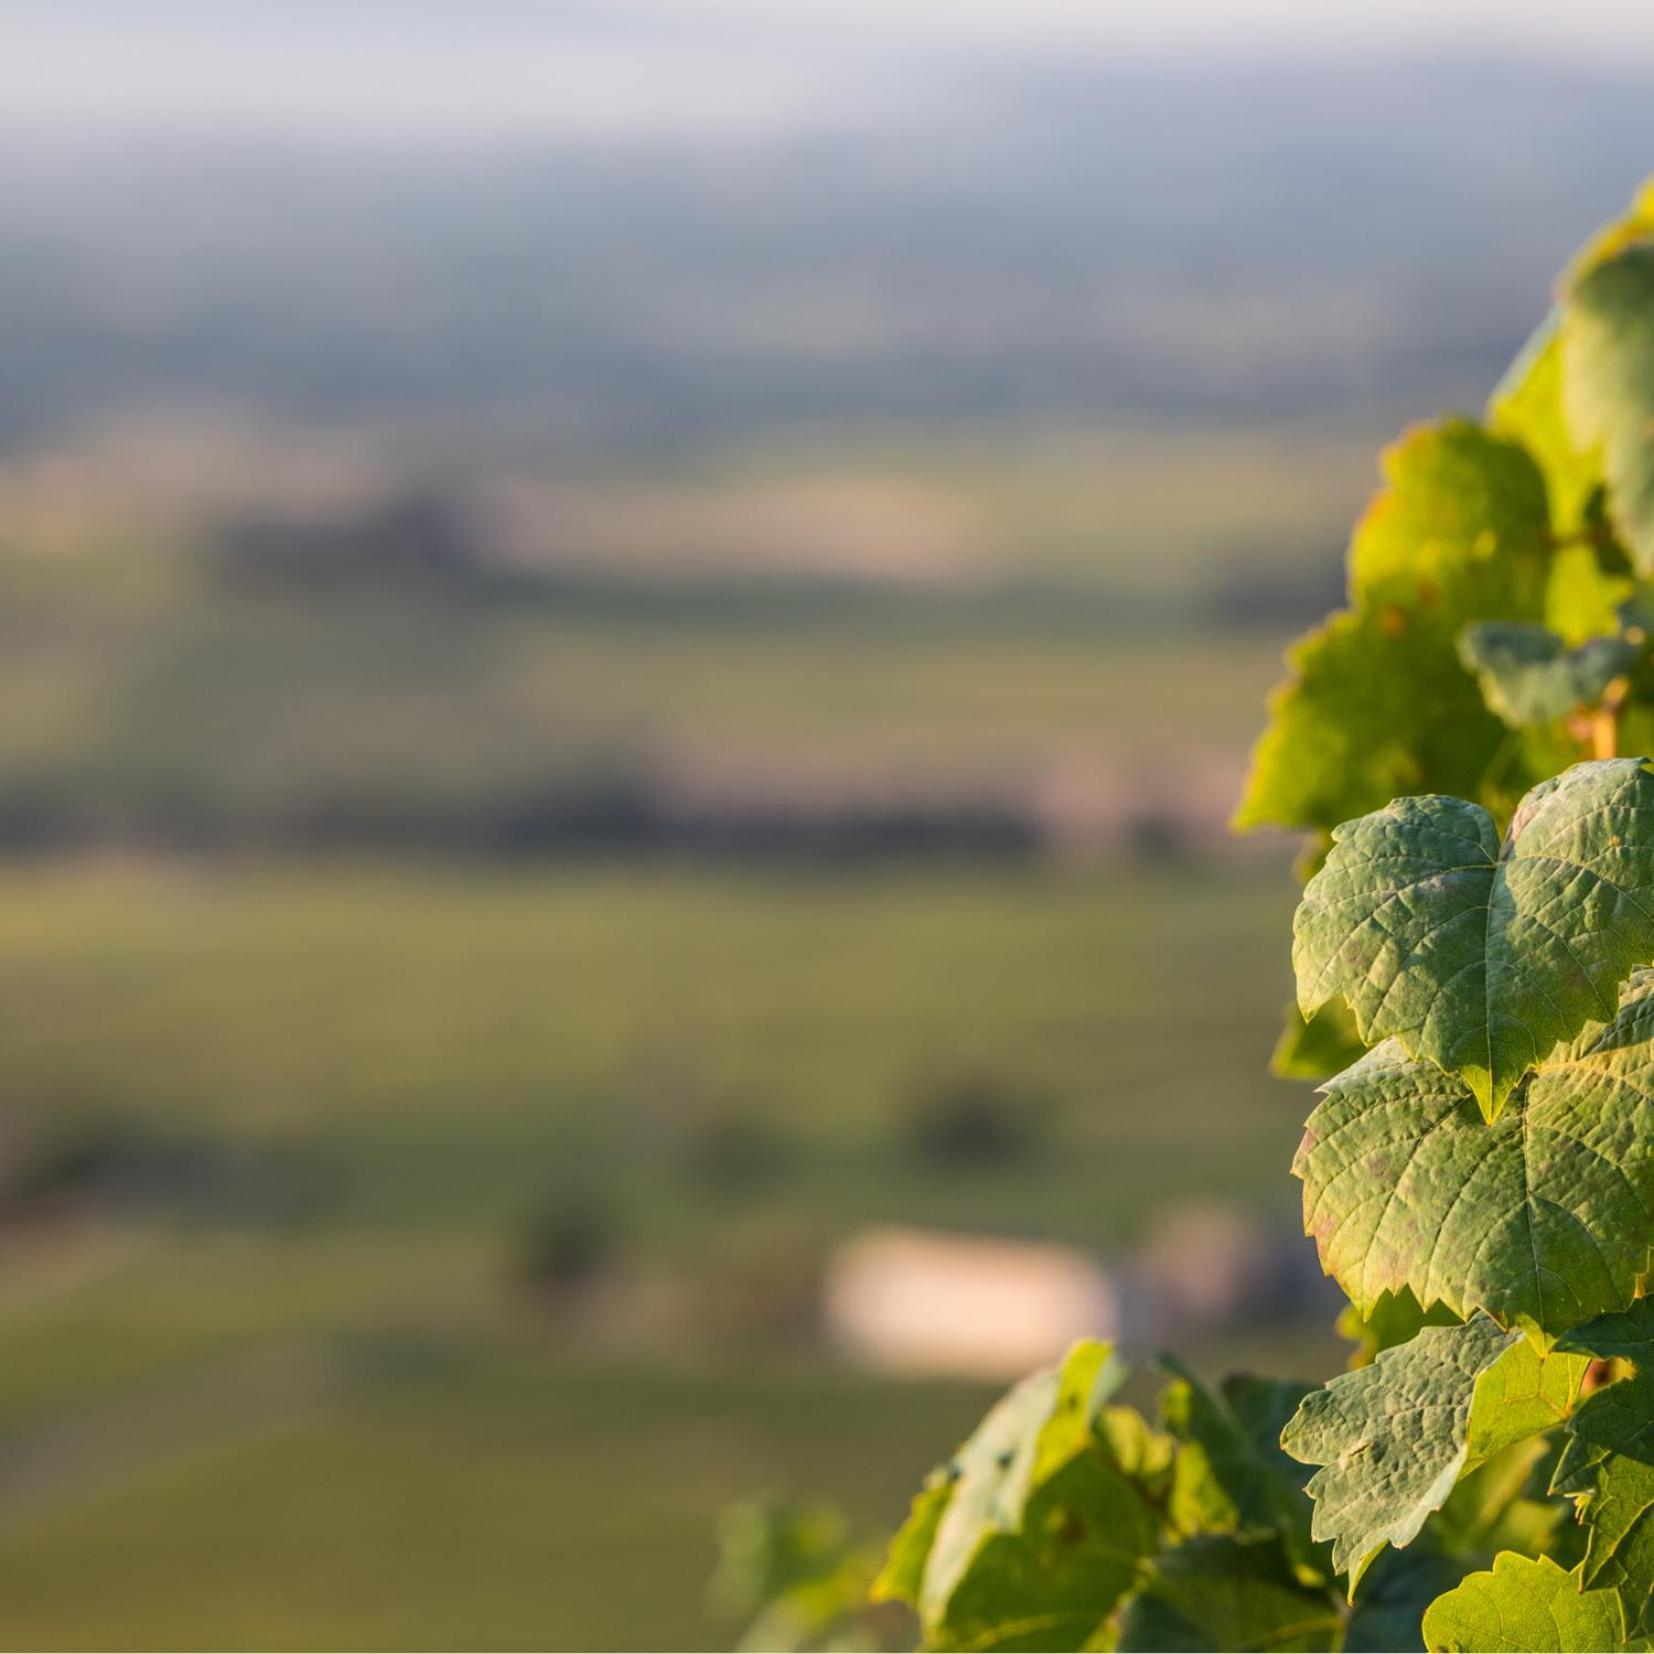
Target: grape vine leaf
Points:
(1608, 364)
(1230, 1475)
(1492, 1507)
(1219, 1592)
(1458, 532)
(1391, 1318)
(1526, 406)
(1376, 705)
(1523, 1606)
(1317, 1047)
(1529, 675)
(1636, 224)
(1589, 575)
(1140, 1452)
(1608, 1460)
(1590, 584)
(1389, 1609)
(1032, 1533)
(1392, 1439)
(1378, 702)
(902, 1579)
(1542, 1219)
(1627, 1335)
(794, 1575)
(1477, 954)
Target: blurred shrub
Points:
(735, 1154)
(797, 1578)
(571, 1243)
(415, 537)
(971, 1121)
(1155, 836)
(97, 1165)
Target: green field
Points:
(340, 1420)
(1120, 591)
(455, 1039)
(175, 701)
(288, 1143)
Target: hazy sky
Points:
(624, 69)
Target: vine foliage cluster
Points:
(1472, 953)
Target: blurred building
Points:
(918, 1302)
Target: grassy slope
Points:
(256, 709)
(433, 1027)
(1076, 611)
(501, 1505)
(352, 1430)
(358, 1433)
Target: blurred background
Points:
(626, 633)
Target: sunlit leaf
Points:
(1033, 1532)
(1493, 1507)
(1378, 702)
(1392, 1439)
(1376, 705)
(1480, 954)
(1542, 1219)
(1527, 406)
(1457, 533)
(1608, 363)
(1523, 1606)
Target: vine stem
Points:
(1600, 537)
(1605, 722)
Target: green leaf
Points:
(1637, 224)
(1377, 705)
(1491, 1508)
(1458, 533)
(1609, 1459)
(902, 1578)
(794, 1574)
(1529, 675)
(1527, 407)
(1218, 1593)
(1137, 1451)
(1623, 1336)
(1476, 954)
(1392, 1318)
(1522, 1606)
(1388, 1613)
(1379, 702)
(1033, 1532)
(1589, 585)
(1051, 1583)
(1317, 1048)
(1528, 403)
(1608, 362)
(1392, 1439)
(1542, 1219)
(1262, 1408)
(1230, 1475)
